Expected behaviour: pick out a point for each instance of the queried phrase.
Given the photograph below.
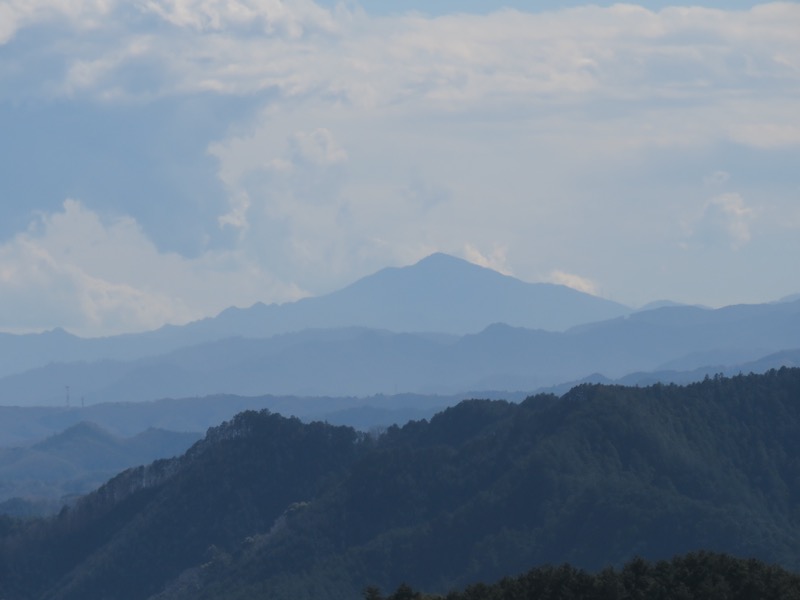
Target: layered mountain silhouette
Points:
(440, 293)
(362, 362)
(441, 326)
(266, 506)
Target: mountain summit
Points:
(440, 293)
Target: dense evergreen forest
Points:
(695, 576)
(268, 507)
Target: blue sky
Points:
(161, 160)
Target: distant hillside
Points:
(440, 293)
(776, 360)
(23, 426)
(76, 461)
(361, 362)
(269, 507)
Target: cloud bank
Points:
(248, 151)
(107, 277)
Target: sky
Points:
(161, 160)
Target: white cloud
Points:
(269, 16)
(317, 147)
(576, 282)
(81, 14)
(566, 137)
(716, 178)
(284, 195)
(75, 270)
(775, 134)
(736, 216)
(496, 260)
(622, 53)
(724, 219)
(237, 217)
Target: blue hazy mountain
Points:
(358, 361)
(440, 293)
(374, 337)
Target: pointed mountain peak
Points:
(437, 271)
(447, 294)
(442, 261)
(440, 274)
(439, 293)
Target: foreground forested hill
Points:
(695, 576)
(269, 507)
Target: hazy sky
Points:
(161, 160)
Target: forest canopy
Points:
(267, 506)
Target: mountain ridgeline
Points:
(355, 361)
(440, 293)
(266, 506)
(442, 326)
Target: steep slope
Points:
(150, 523)
(269, 507)
(602, 475)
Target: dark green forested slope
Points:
(267, 507)
(149, 524)
(695, 576)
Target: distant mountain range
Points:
(441, 326)
(440, 294)
(362, 362)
